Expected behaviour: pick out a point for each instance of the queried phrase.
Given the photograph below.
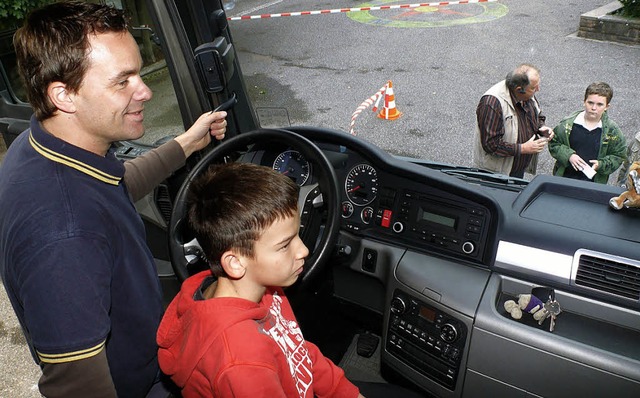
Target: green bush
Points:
(631, 8)
(13, 12)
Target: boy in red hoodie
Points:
(233, 333)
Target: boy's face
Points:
(278, 255)
(594, 107)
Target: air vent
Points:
(609, 275)
(163, 201)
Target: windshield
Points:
(333, 68)
(321, 69)
(305, 63)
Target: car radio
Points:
(427, 339)
(448, 224)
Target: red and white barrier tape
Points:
(367, 103)
(356, 9)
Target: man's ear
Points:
(232, 265)
(61, 97)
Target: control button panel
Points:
(429, 340)
(436, 220)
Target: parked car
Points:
(412, 261)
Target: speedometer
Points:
(361, 185)
(293, 165)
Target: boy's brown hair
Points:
(599, 88)
(230, 205)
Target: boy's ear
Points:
(232, 265)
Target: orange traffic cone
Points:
(389, 112)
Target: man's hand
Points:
(533, 146)
(210, 124)
(547, 132)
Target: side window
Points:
(162, 114)
(14, 110)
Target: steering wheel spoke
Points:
(309, 198)
(193, 252)
(310, 206)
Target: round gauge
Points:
(366, 214)
(361, 185)
(347, 209)
(293, 165)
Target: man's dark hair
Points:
(230, 205)
(519, 77)
(53, 46)
(599, 88)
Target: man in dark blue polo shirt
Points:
(74, 259)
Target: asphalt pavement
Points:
(440, 60)
(18, 372)
(321, 68)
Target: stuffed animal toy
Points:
(631, 197)
(526, 303)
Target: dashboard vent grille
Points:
(163, 201)
(609, 276)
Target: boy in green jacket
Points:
(588, 141)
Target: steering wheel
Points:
(318, 204)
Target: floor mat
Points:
(360, 368)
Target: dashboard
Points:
(437, 256)
(395, 208)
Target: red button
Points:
(386, 218)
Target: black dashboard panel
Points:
(402, 203)
(550, 233)
(451, 250)
(576, 205)
(427, 218)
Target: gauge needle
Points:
(355, 188)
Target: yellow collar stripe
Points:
(71, 356)
(67, 161)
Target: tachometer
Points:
(293, 165)
(361, 184)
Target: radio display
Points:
(427, 313)
(440, 219)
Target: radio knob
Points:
(448, 333)
(398, 306)
(398, 227)
(468, 247)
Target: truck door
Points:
(201, 59)
(14, 109)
